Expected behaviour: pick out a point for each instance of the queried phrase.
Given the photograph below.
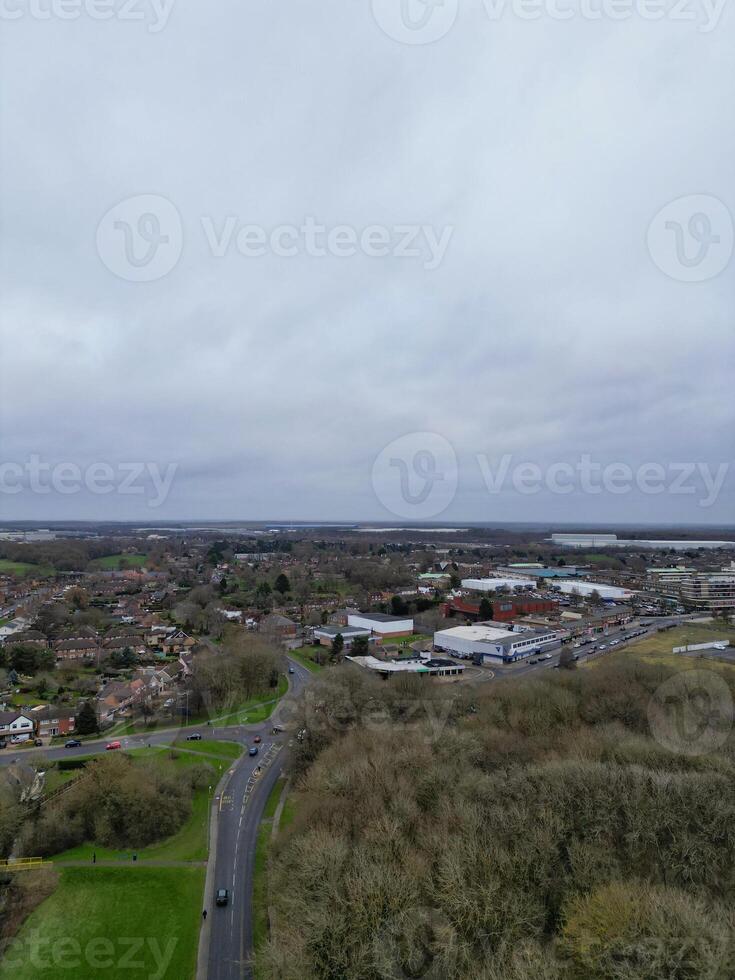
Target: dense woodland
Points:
(537, 832)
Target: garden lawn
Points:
(145, 922)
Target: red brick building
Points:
(504, 608)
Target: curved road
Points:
(226, 936)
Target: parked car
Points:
(253, 750)
(113, 745)
(3, 743)
(223, 896)
(194, 737)
(38, 741)
(73, 743)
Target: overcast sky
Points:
(539, 321)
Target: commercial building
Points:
(539, 570)
(381, 624)
(493, 643)
(503, 609)
(668, 581)
(585, 589)
(326, 635)
(613, 541)
(493, 584)
(423, 666)
(711, 590)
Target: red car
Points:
(257, 739)
(113, 745)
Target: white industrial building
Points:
(613, 541)
(493, 584)
(424, 665)
(381, 623)
(326, 635)
(573, 585)
(485, 642)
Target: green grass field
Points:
(260, 869)
(8, 567)
(657, 648)
(112, 562)
(251, 712)
(305, 656)
(112, 922)
(190, 842)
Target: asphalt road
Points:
(237, 810)
(624, 638)
(238, 813)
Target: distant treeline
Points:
(64, 554)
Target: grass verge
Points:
(112, 922)
(190, 843)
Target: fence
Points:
(23, 864)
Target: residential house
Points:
(16, 725)
(118, 696)
(279, 627)
(28, 638)
(76, 650)
(117, 643)
(53, 720)
(177, 642)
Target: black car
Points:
(223, 896)
(73, 743)
(194, 737)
